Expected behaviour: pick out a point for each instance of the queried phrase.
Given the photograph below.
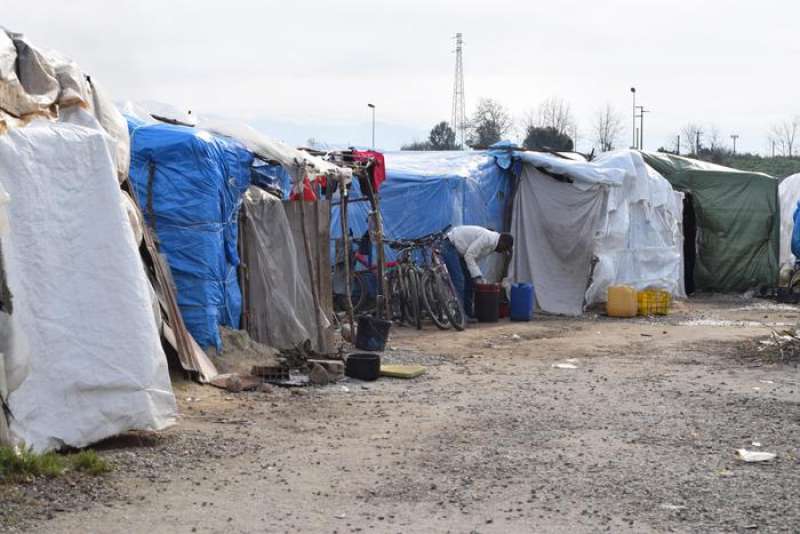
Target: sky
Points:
(301, 70)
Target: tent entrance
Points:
(689, 242)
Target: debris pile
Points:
(780, 347)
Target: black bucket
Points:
(487, 303)
(363, 366)
(372, 333)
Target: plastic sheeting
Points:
(738, 222)
(189, 184)
(426, 191)
(614, 211)
(789, 196)
(33, 82)
(280, 307)
(81, 297)
(298, 163)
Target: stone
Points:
(318, 376)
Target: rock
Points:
(233, 383)
(318, 376)
(335, 368)
(266, 388)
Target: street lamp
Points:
(633, 130)
(372, 106)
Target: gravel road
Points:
(637, 433)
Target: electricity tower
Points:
(458, 121)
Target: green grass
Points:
(88, 461)
(17, 467)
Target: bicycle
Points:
(436, 291)
(439, 295)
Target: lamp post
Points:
(372, 106)
(642, 111)
(734, 137)
(633, 130)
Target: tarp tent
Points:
(427, 191)
(81, 356)
(189, 183)
(736, 215)
(280, 306)
(580, 227)
(789, 194)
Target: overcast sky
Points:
(308, 68)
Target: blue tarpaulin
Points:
(427, 191)
(271, 176)
(796, 232)
(189, 184)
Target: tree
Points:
(547, 137)
(693, 135)
(607, 128)
(442, 137)
(783, 136)
(555, 113)
(489, 124)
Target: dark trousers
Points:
(459, 274)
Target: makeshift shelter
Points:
(731, 223)
(221, 159)
(189, 183)
(580, 227)
(277, 285)
(789, 194)
(425, 192)
(81, 356)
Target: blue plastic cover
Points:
(271, 176)
(192, 201)
(427, 191)
(796, 232)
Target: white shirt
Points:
(473, 243)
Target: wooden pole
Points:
(345, 224)
(383, 289)
(311, 272)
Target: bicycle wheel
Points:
(451, 303)
(395, 297)
(431, 301)
(411, 298)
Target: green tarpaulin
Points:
(737, 220)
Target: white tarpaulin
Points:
(33, 82)
(615, 212)
(788, 197)
(80, 295)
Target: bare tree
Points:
(554, 113)
(714, 139)
(783, 136)
(693, 134)
(607, 128)
(490, 123)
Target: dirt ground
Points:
(640, 436)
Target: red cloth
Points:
(378, 171)
(308, 193)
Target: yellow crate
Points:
(654, 302)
